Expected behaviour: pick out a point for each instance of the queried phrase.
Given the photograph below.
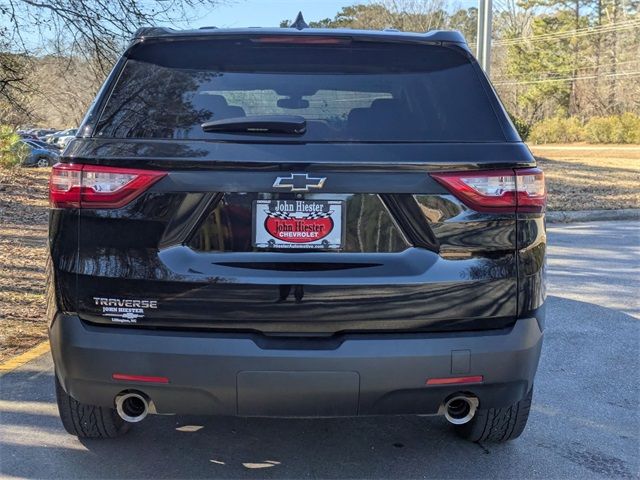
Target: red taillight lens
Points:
(495, 191)
(532, 191)
(111, 187)
(64, 186)
(92, 186)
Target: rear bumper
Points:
(235, 374)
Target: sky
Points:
(269, 13)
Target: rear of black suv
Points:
(296, 223)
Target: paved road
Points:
(585, 421)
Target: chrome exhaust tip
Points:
(132, 406)
(460, 409)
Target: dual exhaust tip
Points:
(132, 406)
(460, 409)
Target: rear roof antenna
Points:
(299, 22)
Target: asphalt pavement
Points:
(585, 419)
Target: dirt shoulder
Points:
(23, 238)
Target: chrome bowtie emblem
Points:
(299, 182)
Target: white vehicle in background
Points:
(63, 141)
(54, 138)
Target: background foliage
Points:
(555, 64)
(12, 150)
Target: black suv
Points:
(296, 223)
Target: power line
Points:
(577, 32)
(570, 34)
(581, 32)
(567, 36)
(570, 79)
(564, 70)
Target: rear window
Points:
(353, 92)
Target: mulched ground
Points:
(23, 238)
(578, 178)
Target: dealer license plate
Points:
(315, 224)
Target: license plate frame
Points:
(298, 224)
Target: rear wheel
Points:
(497, 424)
(88, 421)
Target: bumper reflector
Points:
(454, 380)
(139, 378)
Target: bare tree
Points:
(406, 15)
(416, 15)
(93, 30)
(15, 86)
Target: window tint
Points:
(359, 92)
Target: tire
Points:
(497, 424)
(88, 421)
(43, 162)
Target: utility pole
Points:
(485, 18)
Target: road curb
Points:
(19, 360)
(593, 215)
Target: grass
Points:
(579, 177)
(590, 177)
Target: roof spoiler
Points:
(452, 36)
(154, 32)
(445, 36)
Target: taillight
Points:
(93, 186)
(64, 186)
(495, 191)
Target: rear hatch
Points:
(291, 186)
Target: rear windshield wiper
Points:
(287, 124)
